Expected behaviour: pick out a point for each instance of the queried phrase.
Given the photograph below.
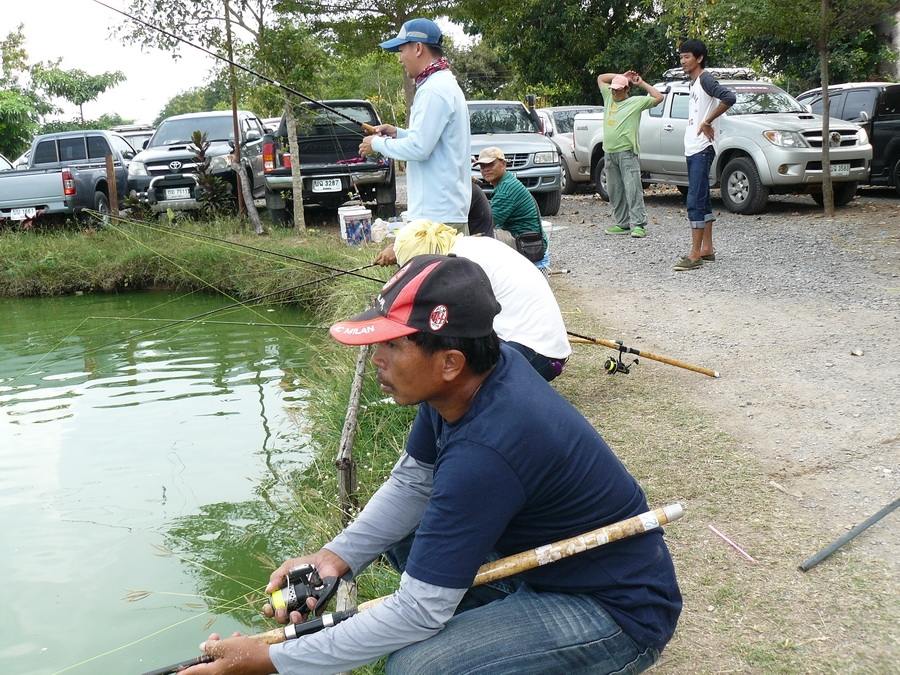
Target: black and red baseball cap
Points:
(443, 295)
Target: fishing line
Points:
(365, 127)
(220, 323)
(190, 233)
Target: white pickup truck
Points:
(768, 144)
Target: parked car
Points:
(136, 134)
(768, 144)
(330, 166)
(271, 124)
(530, 155)
(5, 164)
(66, 174)
(875, 106)
(558, 124)
(164, 174)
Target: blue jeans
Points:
(509, 628)
(699, 209)
(547, 368)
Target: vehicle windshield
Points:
(175, 132)
(757, 99)
(315, 121)
(509, 118)
(136, 141)
(564, 120)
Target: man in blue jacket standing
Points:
(436, 144)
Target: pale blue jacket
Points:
(437, 150)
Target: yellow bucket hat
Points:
(422, 237)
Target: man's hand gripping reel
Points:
(302, 583)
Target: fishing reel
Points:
(615, 364)
(302, 583)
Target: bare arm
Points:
(605, 78)
(635, 78)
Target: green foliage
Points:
(105, 121)
(479, 70)
(214, 194)
(20, 107)
(75, 85)
(375, 76)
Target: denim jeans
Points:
(508, 628)
(626, 194)
(547, 368)
(699, 209)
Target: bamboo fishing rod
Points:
(622, 349)
(187, 234)
(492, 571)
(367, 128)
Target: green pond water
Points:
(118, 448)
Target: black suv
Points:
(332, 170)
(875, 106)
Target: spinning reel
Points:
(304, 582)
(614, 365)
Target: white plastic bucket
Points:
(356, 224)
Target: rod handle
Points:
(368, 128)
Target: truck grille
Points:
(515, 160)
(847, 137)
(162, 168)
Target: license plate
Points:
(178, 193)
(326, 185)
(840, 169)
(22, 214)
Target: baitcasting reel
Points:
(302, 583)
(614, 365)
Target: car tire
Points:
(599, 176)
(282, 217)
(567, 186)
(386, 198)
(896, 177)
(843, 194)
(101, 206)
(548, 202)
(741, 188)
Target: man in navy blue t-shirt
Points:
(496, 463)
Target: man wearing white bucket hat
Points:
(436, 144)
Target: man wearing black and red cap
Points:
(496, 463)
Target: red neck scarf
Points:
(439, 64)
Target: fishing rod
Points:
(492, 571)
(367, 128)
(613, 366)
(187, 234)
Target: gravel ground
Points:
(790, 298)
(780, 314)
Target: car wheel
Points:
(549, 202)
(600, 179)
(843, 194)
(897, 177)
(101, 206)
(742, 190)
(567, 187)
(386, 198)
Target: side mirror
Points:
(863, 116)
(253, 135)
(530, 99)
(807, 107)
(145, 144)
(128, 154)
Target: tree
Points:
(76, 86)
(200, 21)
(20, 107)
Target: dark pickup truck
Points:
(875, 106)
(332, 170)
(66, 174)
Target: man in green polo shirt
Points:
(622, 118)
(514, 209)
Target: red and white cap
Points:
(443, 295)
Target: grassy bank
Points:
(131, 256)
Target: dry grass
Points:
(738, 616)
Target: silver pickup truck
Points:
(768, 144)
(66, 174)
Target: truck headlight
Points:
(219, 164)
(862, 138)
(137, 169)
(545, 157)
(785, 139)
